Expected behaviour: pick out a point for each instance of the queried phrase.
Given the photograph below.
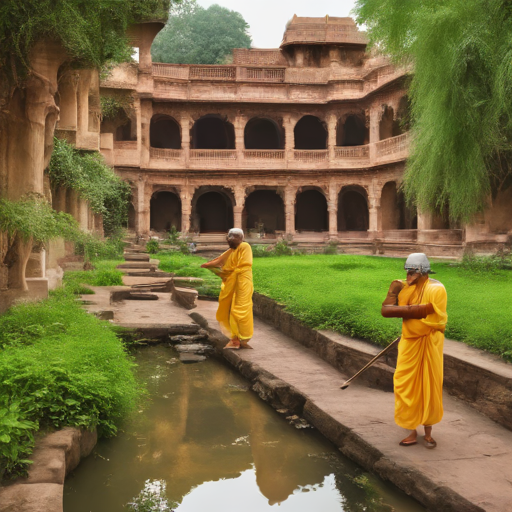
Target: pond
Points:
(204, 441)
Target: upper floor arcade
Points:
(183, 136)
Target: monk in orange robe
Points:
(235, 314)
(418, 379)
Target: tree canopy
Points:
(91, 31)
(194, 35)
(461, 94)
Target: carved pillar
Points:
(143, 207)
(332, 206)
(240, 122)
(331, 135)
(239, 206)
(374, 221)
(289, 138)
(186, 209)
(144, 115)
(185, 124)
(375, 114)
(424, 223)
(290, 194)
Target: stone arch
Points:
(213, 131)
(311, 213)
(212, 210)
(403, 114)
(164, 132)
(352, 130)
(389, 125)
(310, 133)
(353, 211)
(165, 210)
(263, 133)
(394, 212)
(264, 207)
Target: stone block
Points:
(185, 297)
(37, 287)
(88, 440)
(22, 497)
(49, 466)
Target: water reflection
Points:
(218, 447)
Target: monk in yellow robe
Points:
(418, 379)
(235, 300)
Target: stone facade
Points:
(307, 142)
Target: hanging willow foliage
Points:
(461, 94)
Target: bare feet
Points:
(245, 344)
(233, 344)
(410, 439)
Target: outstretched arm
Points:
(219, 261)
(391, 309)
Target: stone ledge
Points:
(481, 380)
(54, 456)
(281, 395)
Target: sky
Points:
(267, 18)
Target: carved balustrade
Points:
(343, 157)
(393, 146)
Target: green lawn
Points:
(345, 292)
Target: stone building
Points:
(307, 142)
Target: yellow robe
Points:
(235, 300)
(418, 379)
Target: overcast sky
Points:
(267, 18)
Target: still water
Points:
(205, 442)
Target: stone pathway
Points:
(474, 454)
(470, 470)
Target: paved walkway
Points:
(474, 454)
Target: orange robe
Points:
(235, 299)
(418, 380)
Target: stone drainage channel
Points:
(205, 441)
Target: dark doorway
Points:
(394, 212)
(353, 214)
(264, 207)
(261, 133)
(131, 216)
(311, 211)
(211, 132)
(165, 211)
(352, 132)
(310, 133)
(215, 213)
(164, 132)
(389, 126)
(127, 131)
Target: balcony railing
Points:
(339, 157)
(213, 155)
(393, 145)
(166, 154)
(264, 154)
(311, 155)
(352, 151)
(278, 74)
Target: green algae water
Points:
(205, 442)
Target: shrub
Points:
(152, 246)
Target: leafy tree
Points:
(194, 35)
(91, 31)
(461, 94)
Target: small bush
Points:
(502, 260)
(152, 246)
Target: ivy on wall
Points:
(95, 182)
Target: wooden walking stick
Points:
(347, 383)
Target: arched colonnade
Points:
(272, 210)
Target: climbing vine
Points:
(87, 173)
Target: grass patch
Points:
(60, 366)
(344, 293)
(188, 265)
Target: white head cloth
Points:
(236, 232)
